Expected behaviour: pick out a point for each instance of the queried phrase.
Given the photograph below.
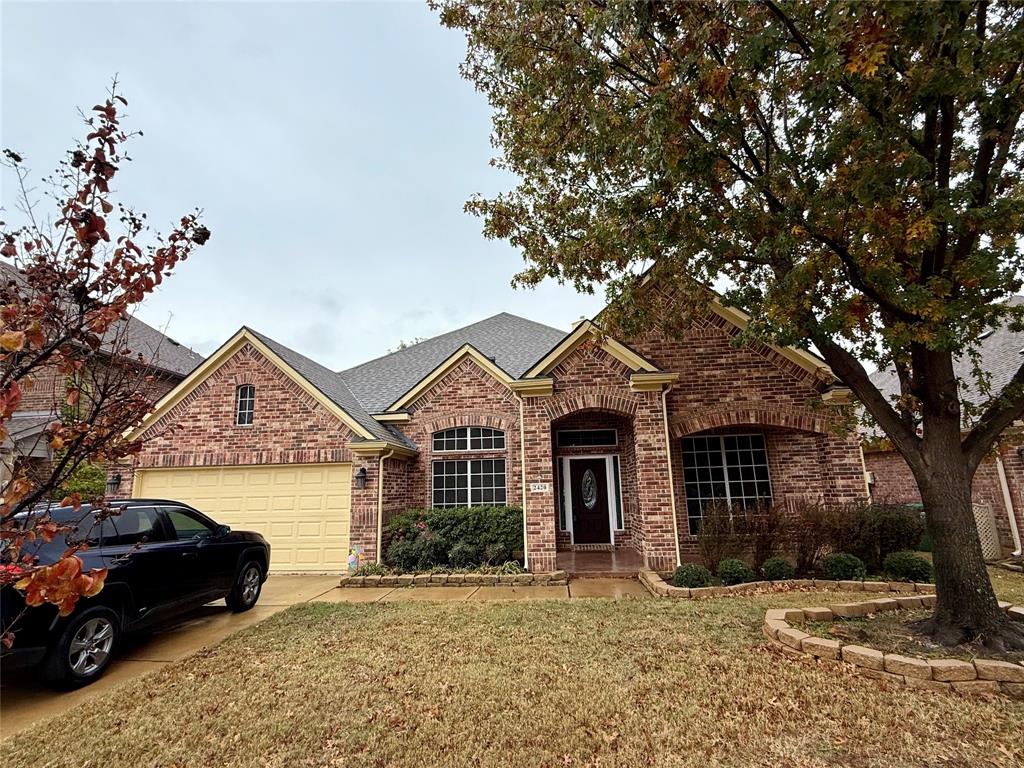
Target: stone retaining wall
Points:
(977, 676)
(551, 579)
(658, 586)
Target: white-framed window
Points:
(245, 404)
(470, 483)
(727, 469)
(469, 439)
(588, 438)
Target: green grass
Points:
(570, 683)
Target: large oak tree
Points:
(848, 173)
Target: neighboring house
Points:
(167, 360)
(605, 444)
(999, 483)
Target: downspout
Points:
(671, 480)
(380, 501)
(1008, 504)
(522, 467)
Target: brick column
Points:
(658, 545)
(540, 505)
(363, 528)
(841, 469)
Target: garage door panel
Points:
(303, 511)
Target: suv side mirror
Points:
(221, 531)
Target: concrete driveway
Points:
(23, 700)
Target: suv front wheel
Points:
(85, 648)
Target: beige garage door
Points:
(303, 510)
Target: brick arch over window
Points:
(598, 398)
(504, 422)
(803, 420)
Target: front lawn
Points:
(569, 683)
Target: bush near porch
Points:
(460, 537)
(806, 532)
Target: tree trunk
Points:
(966, 609)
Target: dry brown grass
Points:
(572, 683)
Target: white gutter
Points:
(522, 466)
(1008, 504)
(380, 502)
(671, 480)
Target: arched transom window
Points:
(469, 439)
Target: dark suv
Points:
(164, 559)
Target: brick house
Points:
(998, 490)
(25, 443)
(606, 444)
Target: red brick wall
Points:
(289, 426)
(894, 482)
(46, 391)
(467, 397)
(751, 388)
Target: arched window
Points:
(245, 404)
(469, 482)
(469, 439)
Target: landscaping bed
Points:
(481, 577)
(893, 632)
(568, 683)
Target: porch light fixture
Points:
(361, 478)
(113, 483)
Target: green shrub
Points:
(907, 566)
(403, 555)
(842, 566)
(461, 537)
(777, 569)
(733, 571)
(873, 531)
(691, 575)
(463, 555)
(497, 554)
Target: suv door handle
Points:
(190, 555)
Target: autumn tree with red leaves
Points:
(66, 294)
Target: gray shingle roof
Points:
(333, 387)
(158, 349)
(1001, 356)
(514, 343)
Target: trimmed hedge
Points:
(691, 575)
(777, 569)
(733, 571)
(907, 566)
(842, 566)
(463, 537)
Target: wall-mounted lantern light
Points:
(113, 483)
(361, 478)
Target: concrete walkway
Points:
(607, 588)
(24, 700)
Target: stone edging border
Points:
(978, 676)
(551, 579)
(658, 587)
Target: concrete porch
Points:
(617, 563)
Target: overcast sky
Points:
(331, 145)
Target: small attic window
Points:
(245, 404)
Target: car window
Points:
(186, 525)
(133, 526)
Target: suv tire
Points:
(85, 647)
